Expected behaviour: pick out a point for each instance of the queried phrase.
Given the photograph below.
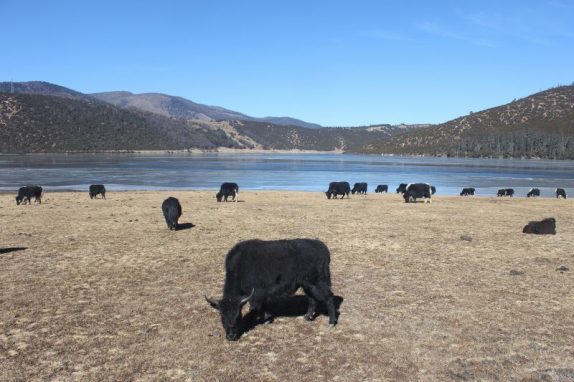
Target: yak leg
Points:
(322, 292)
(310, 315)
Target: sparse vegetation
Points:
(41, 123)
(539, 126)
(103, 291)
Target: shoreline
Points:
(219, 150)
(227, 150)
(369, 196)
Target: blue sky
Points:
(337, 63)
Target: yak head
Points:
(230, 311)
(18, 200)
(219, 196)
(328, 195)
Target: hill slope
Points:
(178, 107)
(46, 123)
(43, 88)
(541, 125)
(40, 123)
(43, 117)
(271, 136)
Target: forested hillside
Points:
(538, 126)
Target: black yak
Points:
(171, 212)
(256, 271)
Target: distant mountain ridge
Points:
(158, 103)
(179, 107)
(537, 126)
(43, 123)
(44, 88)
(43, 117)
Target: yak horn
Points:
(211, 302)
(244, 300)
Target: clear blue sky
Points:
(337, 63)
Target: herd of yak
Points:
(257, 271)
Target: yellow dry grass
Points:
(444, 291)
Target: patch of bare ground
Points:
(445, 291)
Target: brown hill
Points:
(41, 123)
(541, 125)
(271, 136)
(179, 107)
(43, 88)
(42, 117)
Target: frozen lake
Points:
(307, 172)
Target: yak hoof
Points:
(310, 317)
(267, 319)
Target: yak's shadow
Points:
(11, 249)
(184, 226)
(288, 306)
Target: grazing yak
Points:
(360, 188)
(226, 190)
(544, 227)
(381, 188)
(561, 193)
(97, 189)
(414, 191)
(256, 271)
(533, 192)
(171, 212)
(338, 188)
(505, 192)
(467, 191)
(26, 193)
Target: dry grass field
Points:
(431, 292)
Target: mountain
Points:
(537, 126)
(47, 123)
(42, 117)
(166, 105)
(270, 136)
(178, 107)
(43, 88)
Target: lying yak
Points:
(256, 271)
(171, 212)
(26, 193)
(544, 227)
